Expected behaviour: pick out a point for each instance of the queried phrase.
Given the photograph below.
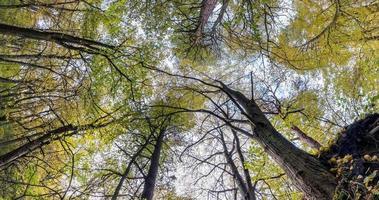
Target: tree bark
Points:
(305, 138)
(151, 177)
(59, 38)
(49, 5)
(41, 141)
(33, 145)
(7, 80)
(205, 12)
(306, 172)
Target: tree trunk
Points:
(205, 12)
(128, 167)
(306, 172)
(41, 141)
(7, 80)
(149, 186)
(59, 38)
(33, 145)
(237, 176)
(250, 188)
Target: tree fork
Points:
(127, 169)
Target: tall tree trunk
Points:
(206, 11)
(151, 177)
(306, 172)
(237, 176)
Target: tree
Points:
(99, 97)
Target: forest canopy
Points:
(180, 100)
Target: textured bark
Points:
(59, 38)
(151, 177)
(305, 138)
(360, 138)
(306, 172)
(205, 12)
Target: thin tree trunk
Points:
(33, 145)
(305, 138)
(307, 172)
(20, 139)
(220, 16)
(41, 56)
(49, 5)
(7, 80)
(41, 141)
(59, 38)
(237, 176)
(128, 167)
(250, 188)
(151, 177)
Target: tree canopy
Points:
(211, 99)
